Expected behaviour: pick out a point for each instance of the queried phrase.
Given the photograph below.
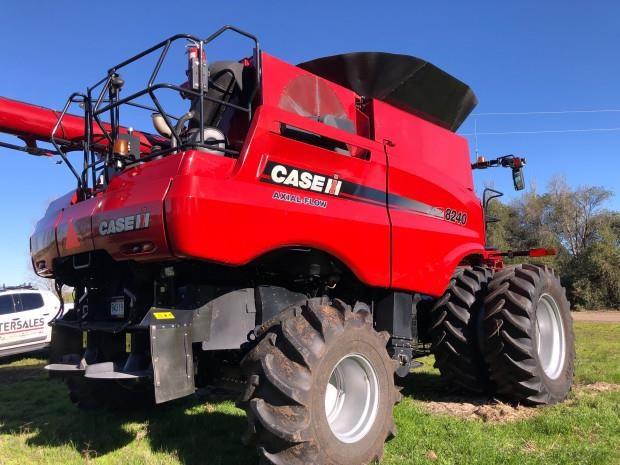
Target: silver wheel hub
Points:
(352, 398)
(550, 340)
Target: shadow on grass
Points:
(432, 387)
(195, 432)
(199, 436)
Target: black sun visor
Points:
(406, 82)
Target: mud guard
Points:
(223, 323)
(171, 353)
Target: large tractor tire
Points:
(91, 394)
(529, 341)
(455, 330)
(320, 387)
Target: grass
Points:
(598, 352)
(38, 425)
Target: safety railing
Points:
(103, 98)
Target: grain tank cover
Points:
(406, 82)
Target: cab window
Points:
(6, 304)
(30, 301)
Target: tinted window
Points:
(31, 301)
(17, 302)
(6, 304)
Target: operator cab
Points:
(229, 82)
(231, 86)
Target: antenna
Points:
(476, 137)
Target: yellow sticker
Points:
(128, 342)
(84, 339)
(163, 315)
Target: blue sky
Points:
(521, 56)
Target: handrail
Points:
(152, 49)
(56, 143)
(103, 97)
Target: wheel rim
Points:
(352, 398)
(550, 339)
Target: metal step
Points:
(107, 370)
(64, 369)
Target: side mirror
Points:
(517, 179)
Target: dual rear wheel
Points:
(510, 334)
(529, 344)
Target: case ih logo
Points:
(285, 175)
(307, 180)
(124, 224)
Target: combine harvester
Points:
(301, 233)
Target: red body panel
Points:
(386, 219)
(139, 190)
(43, 245)
(431, 165)
(235, 219)
(74, 230)
(69, 228)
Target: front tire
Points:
(529, 342)
(320, 387)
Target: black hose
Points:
(61, 310)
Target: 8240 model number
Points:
(455, 216)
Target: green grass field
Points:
(38, 425)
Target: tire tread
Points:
(454, 332)
(508, 345)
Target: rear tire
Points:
(529, 341)
(455, 330)
(320, 387)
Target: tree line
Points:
(575, 223)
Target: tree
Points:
(573, 221)
(575, 215)
(593, 276)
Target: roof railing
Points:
(104, 98)
(23, 286)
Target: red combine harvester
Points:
(301, 233)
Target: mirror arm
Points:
(506, 161)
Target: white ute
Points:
(24, 316)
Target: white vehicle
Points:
(24, 316)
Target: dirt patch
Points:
(495, 411)
(492, 411)
(599, 386)
(611, 316)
